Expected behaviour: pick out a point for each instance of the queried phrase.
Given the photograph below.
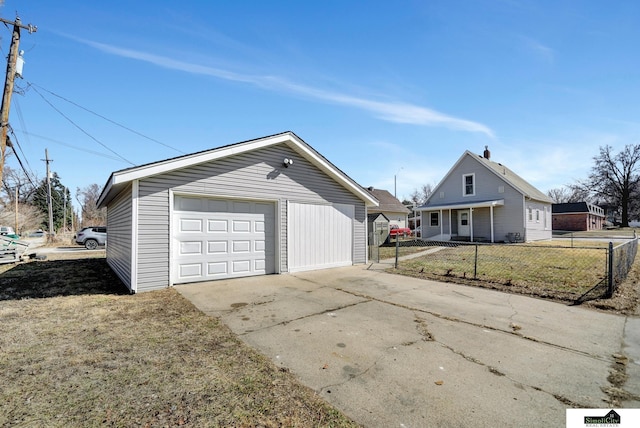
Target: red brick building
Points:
(577, 216)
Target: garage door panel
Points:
(320, 236)
(219, 268)
(241, 226)
(191, 248)
(190, 270)
(190, 225)
(217, 247)
(217, 225)
(239, 239)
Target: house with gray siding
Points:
(265, 206)
(482, 200)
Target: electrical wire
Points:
(22, 123)
(81, 129)
(26, 173)
(93, 152)
(106, 118)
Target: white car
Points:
(91, 237)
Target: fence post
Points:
(610, 270)
(475, 264)
(397, 249)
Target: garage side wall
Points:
(258, 175)
(119, 242)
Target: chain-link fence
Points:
(621, 259)
(568, 270)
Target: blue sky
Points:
(382, 89)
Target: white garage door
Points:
(216, 239)
(320, 236)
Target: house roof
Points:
(577, 207)
(388, 202)
(512, 178)
(119, 179)
(371, 217)
(507, 175)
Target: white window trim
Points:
(464, 184)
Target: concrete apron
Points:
(389, 350)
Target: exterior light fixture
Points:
(286, 162)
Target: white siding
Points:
(539, 227)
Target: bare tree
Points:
(88, 199)
(572, 193)
(560, 195)
(29, 217)
(615, 179)
(419, 196)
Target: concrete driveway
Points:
(392, 351)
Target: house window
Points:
(538, 216)
(530, 214)
(500, 189)
(468, 185)
(435, 219)
(464, 219)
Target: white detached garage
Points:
(234, 211)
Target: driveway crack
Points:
(514, 328)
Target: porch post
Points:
(471, 223)
(491, 220)
(450, 229)
(441, 224)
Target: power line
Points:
(21, 118)
(106, 118)
(81, 129)
(26, 173)
(93, 152)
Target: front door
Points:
(463, 223)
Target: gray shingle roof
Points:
(514, 179)
(388, 203)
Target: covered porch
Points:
(471, 221)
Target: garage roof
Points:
(119, 179)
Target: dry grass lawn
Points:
(77, 350)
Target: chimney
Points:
(487, 153)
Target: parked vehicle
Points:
(7, 230)
(395, 231)
(92, 237)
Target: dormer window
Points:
(468, 185)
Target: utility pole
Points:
(17, 229)
(8, 83)
(49, 201)
(64, 209)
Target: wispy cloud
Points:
(392, 111)
(540, 50)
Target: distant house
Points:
(577, 216)
(482, 200)
(391, 207)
